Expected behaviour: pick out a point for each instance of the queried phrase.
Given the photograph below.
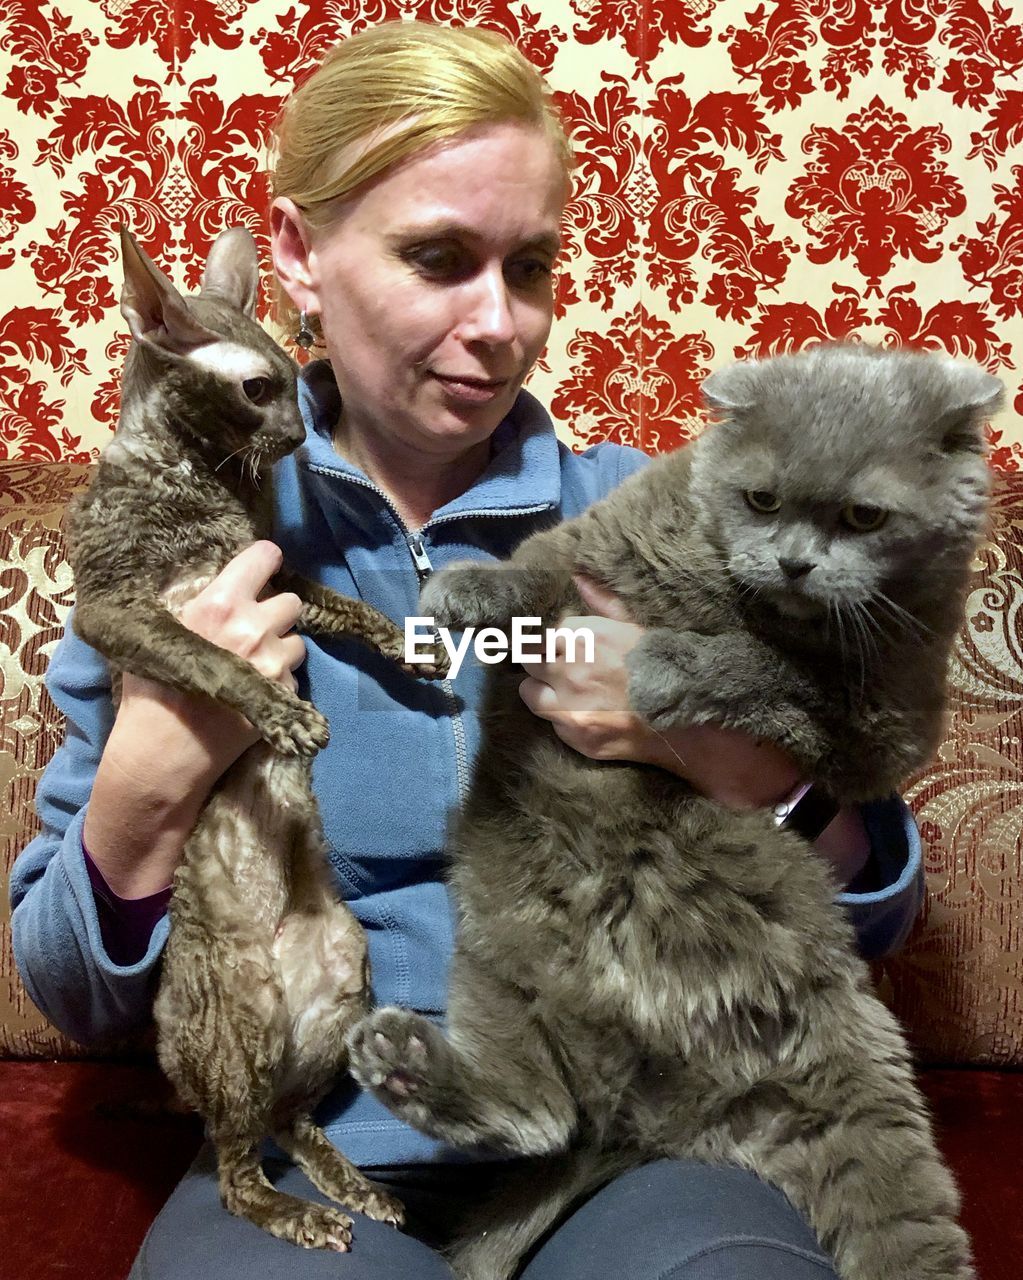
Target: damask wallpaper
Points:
(752, 177)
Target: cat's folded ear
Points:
(156, 313)
(232, 270)
(731, 389)
(973, 395)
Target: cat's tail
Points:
(865, 1170)
(536, 1195)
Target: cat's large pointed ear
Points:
(232, 269)
(156, 313)
(730, 390)
(973, 395)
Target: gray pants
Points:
(665, 1220)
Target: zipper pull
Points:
(419, 557)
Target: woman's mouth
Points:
(471, 390)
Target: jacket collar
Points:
(523, 475)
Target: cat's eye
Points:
(762, 500)
(862, 518)
(258, 390)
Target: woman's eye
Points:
(441, 261)
(762, 500)
(257, 389)
(527, 272)
(863, 519)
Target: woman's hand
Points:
(588, 707)
(167, 749)
(587, 702)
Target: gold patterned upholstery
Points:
(958, 984)
(36, 591)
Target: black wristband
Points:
(808, 813)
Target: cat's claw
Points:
(379, 1206)
(311, 1226)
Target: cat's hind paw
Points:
(310, 1226)
(388, 1052)
(406, 1062)
(378, 1205)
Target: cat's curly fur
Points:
(264, 968)
(639, 972)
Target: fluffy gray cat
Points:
(639, 972)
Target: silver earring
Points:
(305, 336)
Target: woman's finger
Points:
(599, 599)
(249, 572)
(279, 613)
(540, 698)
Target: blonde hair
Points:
(386, 94)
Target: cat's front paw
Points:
(662, 677)
(299, 730)
(432, 663)
(468, 595)
(396, 1054)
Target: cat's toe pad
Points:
(389, 1053)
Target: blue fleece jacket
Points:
(398, 760)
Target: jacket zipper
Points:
(423, 568)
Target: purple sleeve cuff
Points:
(125, 924)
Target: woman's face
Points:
(434, 288)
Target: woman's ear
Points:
(290, 246)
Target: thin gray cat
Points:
(264, 969)
(640, 973)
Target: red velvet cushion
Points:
(978, 1118)
(81, 1182)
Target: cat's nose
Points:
(794, 569)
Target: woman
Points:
(418, 194)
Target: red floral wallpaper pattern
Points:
(751, 179)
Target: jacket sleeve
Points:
(58, 945)
(882, 914)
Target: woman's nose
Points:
(488, 316)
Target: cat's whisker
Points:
(833, 611)
(228, 458)
(876, 631)
(857, 637)
(251, 462)
(902, 616)
(871, 628)
(898, 621)
(866, 628)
